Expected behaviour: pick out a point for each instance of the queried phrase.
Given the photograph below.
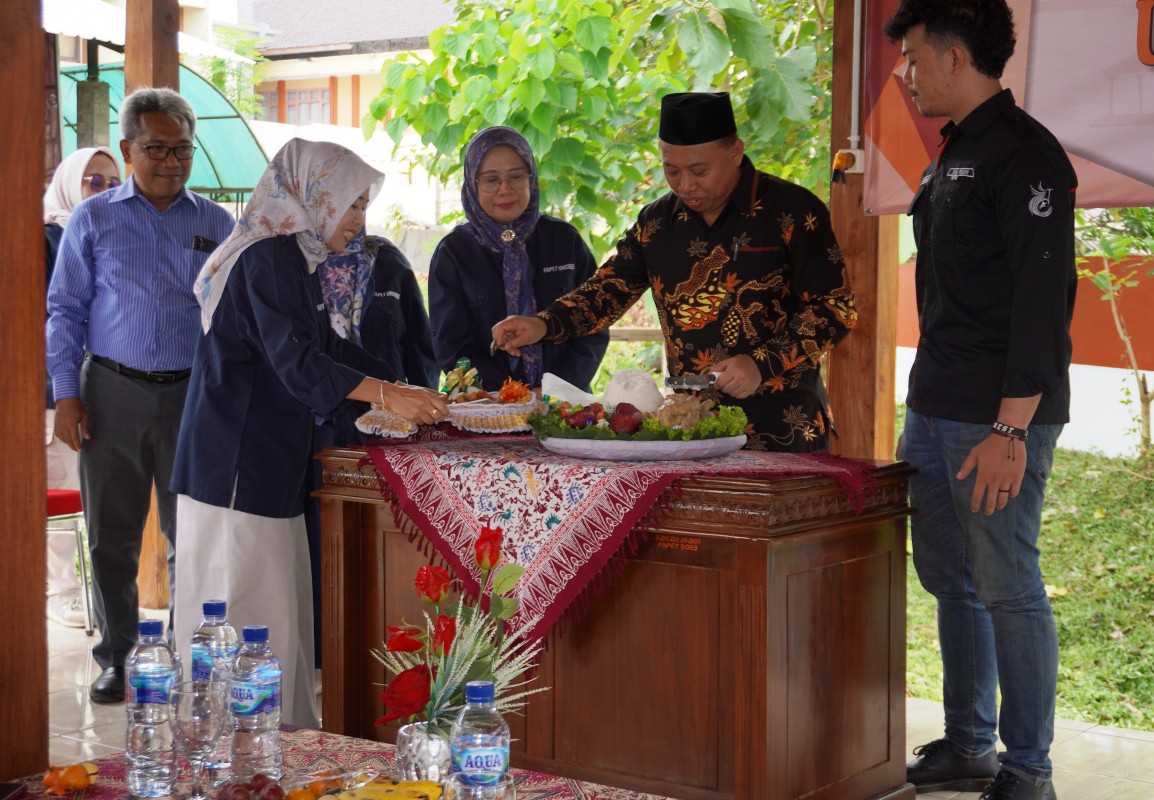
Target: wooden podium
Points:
(753, 648)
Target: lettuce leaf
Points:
(730, 421)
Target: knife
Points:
(691, 383)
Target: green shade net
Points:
(228, 160)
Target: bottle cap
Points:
(255, 633)
(479, 692)
(214, 608)
(150, 627)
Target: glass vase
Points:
(422, 755)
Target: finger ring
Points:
(1007, 491)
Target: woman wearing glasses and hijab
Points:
(84, 173)
(508, 258)
(269, 363)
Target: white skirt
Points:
(260, 567)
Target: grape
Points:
(272, 792)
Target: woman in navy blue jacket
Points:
(373, 298)
(267, 365)
(507, 259)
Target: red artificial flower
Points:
(407, 694)
(432, 584)
(488, 547)
(444, 631)
(403, 640)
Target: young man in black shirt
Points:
(988, 395)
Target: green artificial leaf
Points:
(506, 578)
(503, 608)
(705, 46)
(750, 37)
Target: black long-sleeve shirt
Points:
(766, 280)
(995, 276)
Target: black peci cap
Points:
(689, 118)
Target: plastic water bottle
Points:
(214, 648)
(150, 671)
(479, 739)
(256, 693)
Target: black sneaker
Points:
(940, 767)
(1009, 786)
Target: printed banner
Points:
(1083, 68)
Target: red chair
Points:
(65, 505)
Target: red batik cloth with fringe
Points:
(563, 518)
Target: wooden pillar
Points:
(24, 659)
(861, 369)
(355, 99)
(151, 59)
(150, 54)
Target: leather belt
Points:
(172, 376)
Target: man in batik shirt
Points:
(747, 277)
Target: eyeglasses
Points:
(491, 184)
(99, 183)
(159, 152)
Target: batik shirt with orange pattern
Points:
(766, 280)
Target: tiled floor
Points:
(1094, 762)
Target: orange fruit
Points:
(75, 776)
(302, 793)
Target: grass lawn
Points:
(1097, 548)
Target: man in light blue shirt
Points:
(123, 325)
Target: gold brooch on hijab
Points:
(508, 235)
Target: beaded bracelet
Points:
(381, 394)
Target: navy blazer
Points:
(467, 298)
(395, 329)
(270, 364)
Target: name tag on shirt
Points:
(953, 173)
(560, 268)
(394, 295)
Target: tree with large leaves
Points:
(581, 80)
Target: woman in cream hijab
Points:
(84, 173)
(268, 365)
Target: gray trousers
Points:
(134, 426)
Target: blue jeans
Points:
(994, 620)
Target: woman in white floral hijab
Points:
(269, 364)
